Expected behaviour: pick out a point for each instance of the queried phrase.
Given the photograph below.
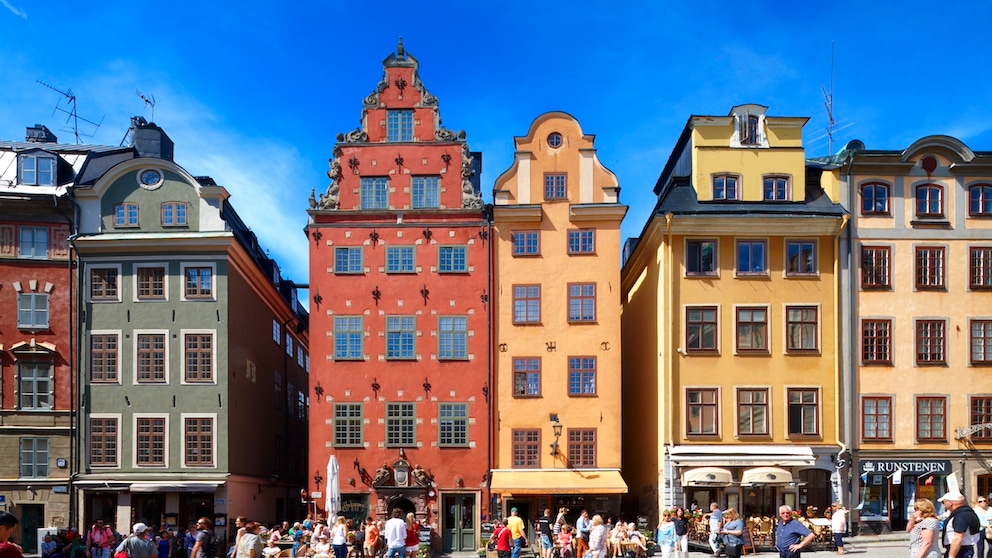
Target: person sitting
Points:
(565, 541)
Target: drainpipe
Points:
(842, 396)
(847, 490)
(669, 340)
(490, 356)
(75, 392)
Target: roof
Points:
(60, 147)
(681, 200)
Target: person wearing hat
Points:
(961, 529)
(137, 545)
(517, 532)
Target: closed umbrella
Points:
(333, 501)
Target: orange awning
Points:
(560, 481)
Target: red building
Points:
(399, 267)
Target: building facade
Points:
(730, 323)
(399, 268)
(186, 331)
(921, 323)
(556, 223)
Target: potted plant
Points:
(811, 511)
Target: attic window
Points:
(750, 129)
(37, 170)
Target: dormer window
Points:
(750, 129)
(749, 126)
(399, 125)
(37, 169)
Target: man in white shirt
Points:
(716, 523)
(395, 533)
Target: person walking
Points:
(99, 540)
(597, 538)
(206, 542)
(682, 531)
(716, 523)
(395, 533)
(249, 543)
(518, 532)
(545, 529)
(922, 528)
(791, 536)
(838, 525)
(665, 535)
(582, 529)
(371, 538)
(733, 533)
(962, 527)
(503, 539)
(137, 544)
(339, 538)
(984, 514)
(8, 522)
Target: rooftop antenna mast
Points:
(71, 114)
(828, 102)
(149, 101)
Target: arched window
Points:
(980, 200)
(874, 198)
(930, 200)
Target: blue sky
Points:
(253, 93)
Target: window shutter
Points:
(7, 244)
(744, 127)
(58, 242)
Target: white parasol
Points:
(332, 503)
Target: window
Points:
(752, 329)
(399, 125)
(981, 413)
(453, 424)
(37, 170)
(150, 441)
(348, 260)
(930, 267)
(399, 259)
(980, 267)
(32, 243)
(104, 358)
(752, 257)
(526, 243)
(452, 259)
(400, 425)
(126, 215)
(426, 192)
(752, 412)
(34, 457)
(452, 337)
(526, 377)
(104, 432)
(32, 311)
(876, 341)
(174, 214)
(981, 342)
(526, 449)
(776, 188)
(876, 418)
(348, 332)
(875, 267)
(750, 129)
(554, 140)
(400, 333)
(199, 282)
(375, 193)
(151, 358)
(289, 345)
(151, 283)
(725, 187)
(526, 304)
(800, 257)
(701, 328)
(930, 342)
(801, 328)
(803, 412)
(103, 283)
(275, 331)
(581, 302)
(34, 384)
(199, 432)
(581, 241)
(929, 201)
(581, 376)
(980, 200)
(277, 398)
(348, 418)
(700, 257)
(702, 412)
(930, 419)
(199, 357)
(874, 198)
(582, 447)
(555, 186)
(299, 356)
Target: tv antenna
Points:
(149, 101)
(71, 114)
(828, 102)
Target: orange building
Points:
(556, 225)
(399, 267)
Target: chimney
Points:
(39, 133)
(150, 140)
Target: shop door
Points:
(459, 532)
(32, 519)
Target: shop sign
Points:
(907, 466)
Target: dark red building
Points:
(399, 267)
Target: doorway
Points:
(458, 523)
(32, 519)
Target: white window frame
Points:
(134, 441)
(183, 266)
(165, 282)
(134, 356)
(213, 442)
(35, 172)
(89, 283)
(89, 361)
(120, 430)
(213, 355)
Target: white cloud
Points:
(14, 9)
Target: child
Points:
(565, 541)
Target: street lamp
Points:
(556, 428)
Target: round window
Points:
(554, 140)
(150, 178)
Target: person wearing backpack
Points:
(206, 542)
(99, 540)
(961, 529)
(137, 545)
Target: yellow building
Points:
(556, 224)
(730, 323)
(921, 323)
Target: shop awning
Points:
(186, 486)
(707, 476)
(560, 481)
(741, 456)
(765, 475)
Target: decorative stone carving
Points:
(444, 134)
(426, 99)
(421, 477)
(356, 135)
(381, 476)
(329, 200)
